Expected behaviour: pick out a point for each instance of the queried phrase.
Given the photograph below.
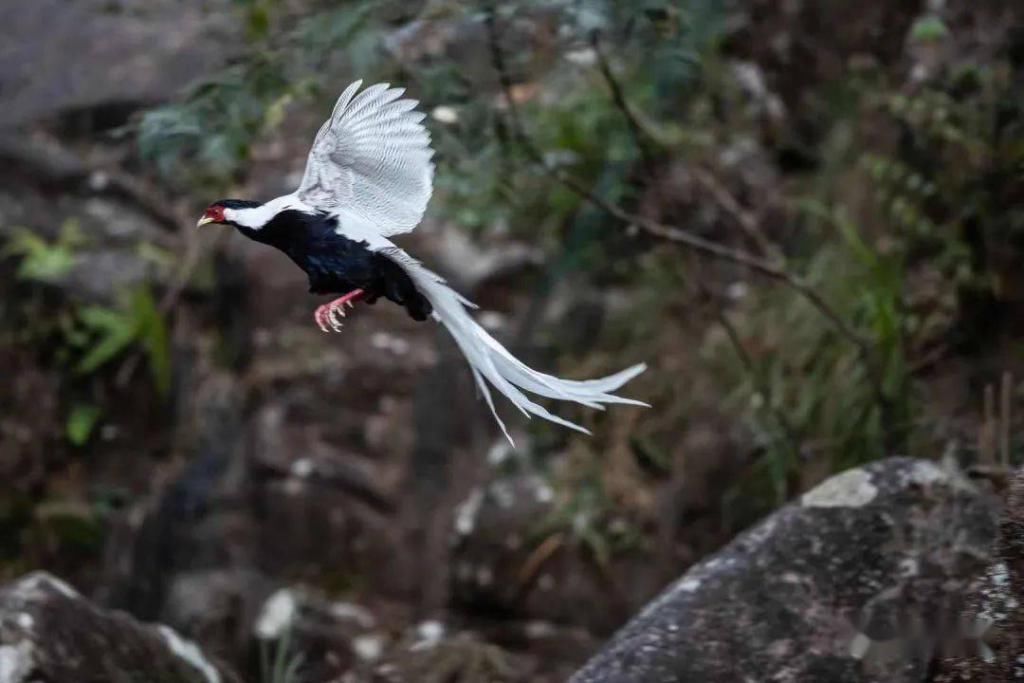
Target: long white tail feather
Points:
(492, 363)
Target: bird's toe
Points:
(335, 319)
(320, 317)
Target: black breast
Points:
(336, 264)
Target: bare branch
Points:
(743, 218)
(640, 137)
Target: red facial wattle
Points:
(213, 214)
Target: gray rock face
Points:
(51, 634)
(853, 582)
(109, 52)
(991, 647)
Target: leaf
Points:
(116, 333)
(81, 422)
(152, 334)
(928, 29)
(41, 260)
(100, 318)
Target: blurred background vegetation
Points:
(808, 218)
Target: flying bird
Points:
(369, 177)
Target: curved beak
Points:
(203, 221)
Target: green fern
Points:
(110, 332)
(44, 261)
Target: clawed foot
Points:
(329, 316)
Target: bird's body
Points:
(337, 264)
(370, 176)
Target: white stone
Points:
(35, 583)
(926, 473)
(465, 514)
(428, 634)
(15, 662)
(352, 612)
(445, 114)
(859, 646)
(368, 647)
(277, 614)
(432, 630)
(303, 467)
(852, 488)
(187, 650)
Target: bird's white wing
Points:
(372, 158)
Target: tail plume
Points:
(493, 365)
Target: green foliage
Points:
(97, 334)
(44, 261)
(280, 665)
(78, 528)
(844, 408)
(588, 517)
(841, 408)
(207, 137)
(928, 29)
(81, 421)
(212, 129)
(112, 331)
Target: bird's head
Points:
(228, 212)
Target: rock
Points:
(331, 637)
(124, 53)
(511, 556)
(216, 607)
(31, 400)
(116, 235)
(990, 644)
(436, 657)
(51, 634)
(832, 587)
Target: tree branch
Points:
(640, 138)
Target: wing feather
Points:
(371, 158)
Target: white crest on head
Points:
(256, 217)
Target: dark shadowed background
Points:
(806, 216)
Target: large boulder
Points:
(51, 634)
(990, 643)
(124, 53)
(852, 582)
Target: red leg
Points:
(328, 316)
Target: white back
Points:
(371, 159)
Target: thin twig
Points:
(743, 218)
(640, 139)
(540, 555)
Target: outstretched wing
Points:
(372, 158)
